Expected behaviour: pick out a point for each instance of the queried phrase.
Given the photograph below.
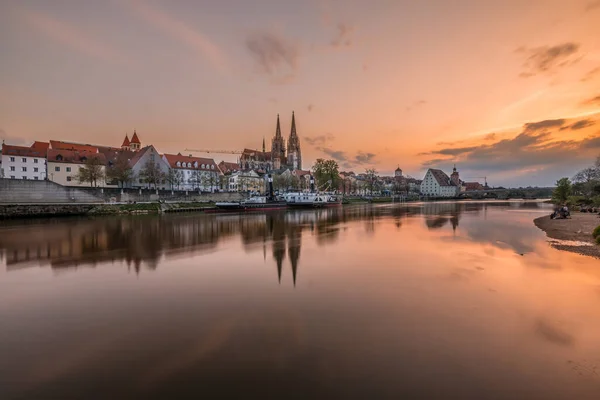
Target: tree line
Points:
(121, 173)
(583, 188)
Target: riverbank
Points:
(573, 234)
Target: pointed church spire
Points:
(278, 130)
(293, 132)
(264, 148)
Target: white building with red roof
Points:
(64, 165)
(437, 184)
(20, 162)
(193, 173)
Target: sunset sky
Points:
(505, 89)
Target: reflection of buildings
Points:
(438, 215)
(145, 241)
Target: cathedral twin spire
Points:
(278, 148)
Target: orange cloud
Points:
(180, 31)
(72, 37)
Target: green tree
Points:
(152, 174)
(326, 172)
(92, 171)
(120, 172)
(562, 191)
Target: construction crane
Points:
(480, 177)
(215, 151)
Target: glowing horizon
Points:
(373, 84)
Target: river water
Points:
(443, 300)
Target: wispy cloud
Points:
(590, 74)
(275, 55)
(343, 37)
(581, 124)
(364, 158)
(536, 146)
(593, 100)
(545, 124)
(416, 104)
(181, 32)
(319, 140)
(546, 59)
(349, 161)
(592, 5)
(73, 37)
(310, 107)
(335, 154)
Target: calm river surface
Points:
(444, 300)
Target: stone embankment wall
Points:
(42, 192)
(148, 195)
(43, 210)
(45, 192)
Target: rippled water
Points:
(444, 300)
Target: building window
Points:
(35, 169)
(212, 167)
(202, 166)
(68, 169)
(68, 179)
(24, 178)
(24, 169)
(35, 160)
(189, 165)
(141, 181)
(179, 163)
(12, 177)
(57, 169)
(35, 178)
(12, 168)
(24, 159)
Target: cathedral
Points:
(280, 157)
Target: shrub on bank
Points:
(596, 233)
(578, 201)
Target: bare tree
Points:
(152, 174)
(175, 178)
(120, 171)
(371, 176)
(92, 171)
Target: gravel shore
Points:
(573, 234)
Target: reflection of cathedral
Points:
(82, 242)
(280, 156)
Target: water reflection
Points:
(145, 241)
(394, 301)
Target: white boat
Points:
(308, 200)
(252, 203)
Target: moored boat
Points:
(250, 204)
(312, 200)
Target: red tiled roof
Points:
(126, 142)
(264, 156)
(225, 166)
(301, 173)
(135, 139)
(473, 185)
(441, 177)
(60, 145)
(138, 155)
(22, 151)
(73, 157)
(173, 159)
(41, 146)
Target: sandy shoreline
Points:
(573, 234)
